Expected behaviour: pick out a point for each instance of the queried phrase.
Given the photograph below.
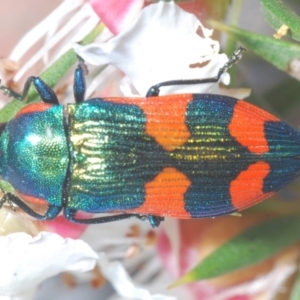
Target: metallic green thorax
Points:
(34, 154)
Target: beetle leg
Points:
(70, 215)
(154, 90)
(51, 213)
(79, 82)
(44, 91)
(153, 220)
(9, 92)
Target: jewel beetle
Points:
(182, 156)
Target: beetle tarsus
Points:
(6, 198)
(10, 93)
(155, 221)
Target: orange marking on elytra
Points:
(247, 189)
(165, 195)
(35, 107)
(247, 126)
(165, 118)
(33, 200)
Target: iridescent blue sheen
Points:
(34, 154)
(112, 157)
(283, 155)
(99, 157)
(212, 158)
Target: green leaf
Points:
(278, 52)
(51, 76)
(10, 109)
(277, 14)
(252, 246)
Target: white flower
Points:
(123, 285)
(26, 261)
(161, 45)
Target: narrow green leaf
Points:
(278, 52)
(295, 294)
(51, 76)
(252, 246)
(277, 14)
(10, 109)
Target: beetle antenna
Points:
(235, 57)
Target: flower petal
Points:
(117, 14)
(122, 283)
(162, 45)
(65, 228)
(26, 261)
